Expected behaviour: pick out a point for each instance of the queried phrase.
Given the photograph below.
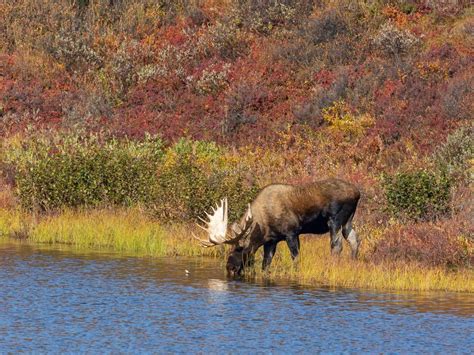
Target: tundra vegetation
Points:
(122, 122)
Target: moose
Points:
(283, 212)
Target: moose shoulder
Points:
(283, 212)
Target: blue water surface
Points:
(59, 301)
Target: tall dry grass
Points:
(122, 230)
(317, 266)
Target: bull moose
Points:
(283, 212)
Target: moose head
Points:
(218, 233)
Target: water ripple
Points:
(63, 301)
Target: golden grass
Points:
(121, 230)
(13, 223)
(131, 231)
(316, 265)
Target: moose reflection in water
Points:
(283, 212)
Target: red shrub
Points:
(427, 243)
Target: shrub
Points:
(297, 51)
(426, 243)
(29, 23)
(264, 15)
(456, 156)
(181, 182)
(74, 50)
(324, 95)
(210, 81)
(394, 42)
(447, 7)
(85, 108)
(418, 194)
(325, 28)
(319, 42)
(223, 38)
(69, 171)
(195, 176)
(172, 61)
(341, 120)
(242, 103)
(171, 9)
(458, 97)
(131, 63)
(142, 15)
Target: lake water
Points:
(61, 300)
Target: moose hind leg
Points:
(336, 239)
(269, 249)
(352, 238)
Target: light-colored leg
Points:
(351, 236)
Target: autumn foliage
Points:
(287, 91)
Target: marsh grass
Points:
(131, 231)
(317, 266)
(122, 230)
(14, 224)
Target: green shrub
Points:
(418, 195)
(194, 176)
(52, 172)
(180, 182)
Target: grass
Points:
(122, 230)
(13, 223)
(132, 231)
(316, 265)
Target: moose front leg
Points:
(269, 249)
(293, 242)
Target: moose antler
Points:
(216, 227)
(241, 230)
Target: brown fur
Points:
(283, 212)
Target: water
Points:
(55, 300)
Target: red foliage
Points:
(29, 101)
(173, 35)
(324, 77)
(413, 101)
(426, 243)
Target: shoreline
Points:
(131, 231)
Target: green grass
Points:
(131, 231)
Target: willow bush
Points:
(178, 182)
(195, 175)
(456, 155)
(418, 195)
(57, 171)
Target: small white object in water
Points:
(186, 271)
